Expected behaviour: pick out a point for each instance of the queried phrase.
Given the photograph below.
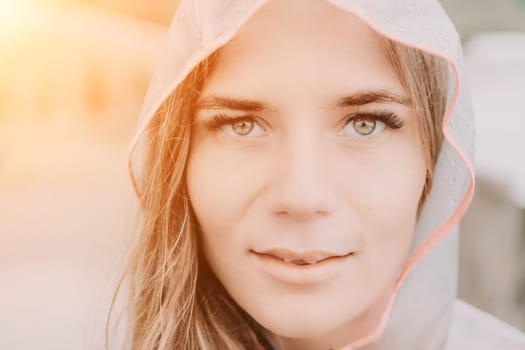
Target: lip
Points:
(310, 255)
(326, 267)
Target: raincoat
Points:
(424, 311)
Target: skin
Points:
(298, 177)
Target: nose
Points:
(301, 186)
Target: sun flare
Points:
(11, 12)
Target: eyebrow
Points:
(358, 99)
(218, 102)
(375, 96)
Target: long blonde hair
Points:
(175, 302)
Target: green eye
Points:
(364, 126)
(242, 127)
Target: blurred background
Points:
(72, 78)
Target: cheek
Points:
(218, 184)
(388, 197)
(383, 189)
(222, 186)
(207, 200)
(220, 190)
(208, 189)
(388, 180)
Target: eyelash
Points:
(220, 120)
(390, 119)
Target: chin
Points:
(297, 328)
(303, 323)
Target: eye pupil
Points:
(242, 127)
(364, 126)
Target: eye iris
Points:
(364, 126)
(242, 127)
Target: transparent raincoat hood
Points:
(421, 313)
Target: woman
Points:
(302, 166)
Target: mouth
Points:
(302, 268)
(300, 258)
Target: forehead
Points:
(309, 44)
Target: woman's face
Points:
(307, 200)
